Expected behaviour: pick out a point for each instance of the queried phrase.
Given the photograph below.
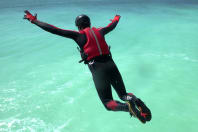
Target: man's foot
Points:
(144, 110)
(134, 111)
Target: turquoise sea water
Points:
(44, 89)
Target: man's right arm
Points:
(110, 26)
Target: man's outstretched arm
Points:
(111, 25)
(50, 28)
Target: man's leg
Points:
(129, 98)
(103, 87)
(117, 82)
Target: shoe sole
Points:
(135, 112)
(144, 109)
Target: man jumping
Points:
(96, 54)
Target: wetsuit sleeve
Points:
(55, 30)
(110, 26)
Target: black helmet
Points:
(82, 21)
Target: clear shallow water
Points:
(43, 88)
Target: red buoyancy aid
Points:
(96, 44)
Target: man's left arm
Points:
(50, 28)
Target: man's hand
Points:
(29, 16)
(116, 18)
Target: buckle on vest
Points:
(91, 62)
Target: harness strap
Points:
(97, 42)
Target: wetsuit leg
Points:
(117, 82)
(102, 83)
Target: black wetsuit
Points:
(104, 71)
